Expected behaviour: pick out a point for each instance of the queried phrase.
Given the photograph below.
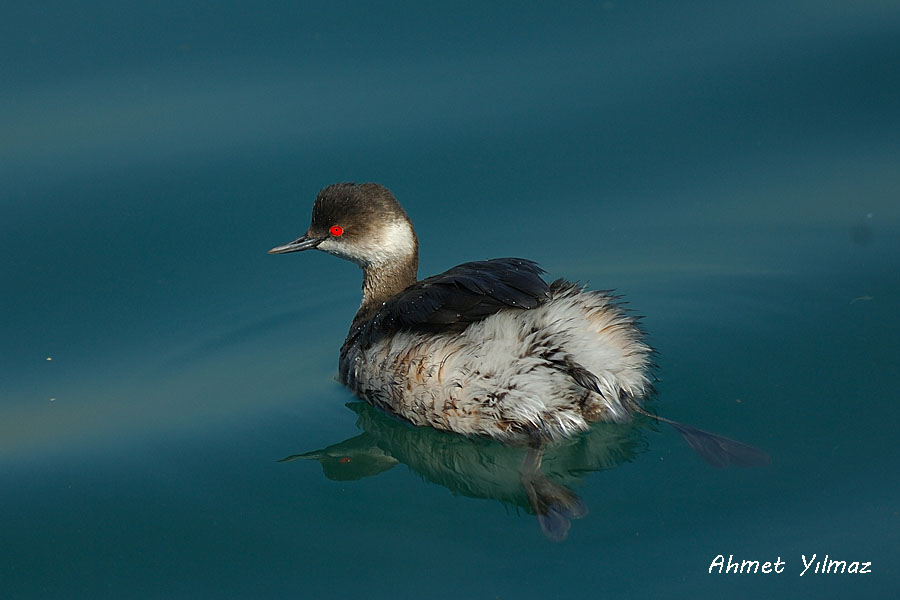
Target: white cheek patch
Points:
(332, 247)
(394, 242)
(397, 240)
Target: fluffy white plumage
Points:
(508, 376)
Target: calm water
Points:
(733, 171)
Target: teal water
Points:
(733, 171)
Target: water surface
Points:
(733, 171)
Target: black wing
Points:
(463, 295)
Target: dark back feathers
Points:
(452, 300)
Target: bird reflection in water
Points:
(541, 483)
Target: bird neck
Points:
(382, 281)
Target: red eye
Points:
(336, 230)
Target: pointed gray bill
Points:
(302, 243)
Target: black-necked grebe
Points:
(488, 347)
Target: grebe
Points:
(486, 348)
